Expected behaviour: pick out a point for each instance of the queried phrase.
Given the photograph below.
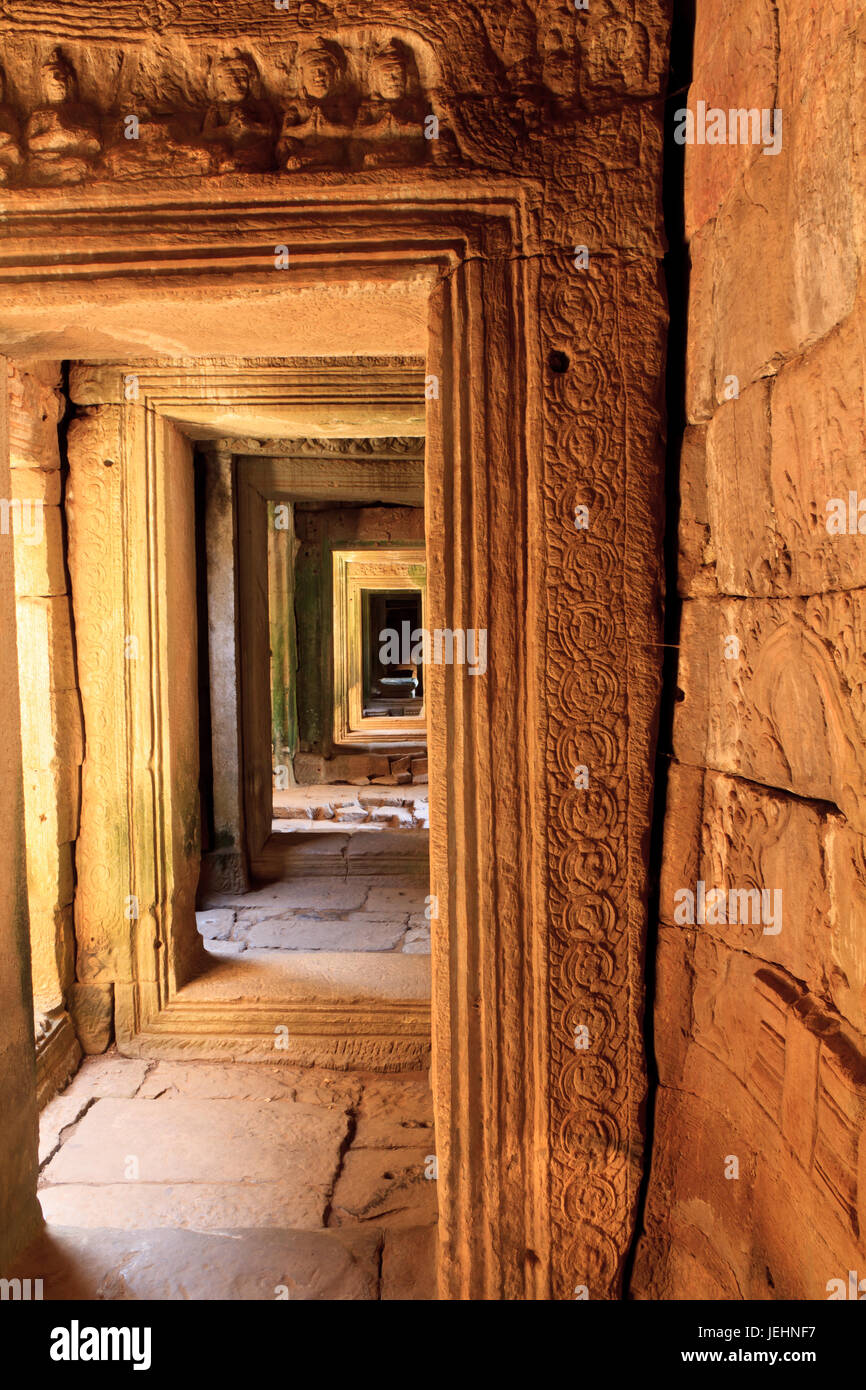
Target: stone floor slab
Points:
(201, 1141)
(180, 1265)
(385, 1186)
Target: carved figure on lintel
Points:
(390, 121)
(317, 124)
(238, 126)
(62, 137)
(10, 131)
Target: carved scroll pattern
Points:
(591, 1100)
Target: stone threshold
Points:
(346, 1010)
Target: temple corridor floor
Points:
(360, 913)
(199, 1180)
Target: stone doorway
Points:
(540, 887)
(326, 862)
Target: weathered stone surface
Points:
(734, 67)
(760, 1028)
(701, 336)
(143, 1265)
(92, 1009)
(249, 1150)
(409, 1264)
(764, 1074)
(359, 932)
(208, 1163)
(172, 1080)
(385, 1187)
(739, 496)
(394, 1113)
(818, 423)
(788, 711)
(36, 405)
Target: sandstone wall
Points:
(760, 1031)
(51, 727)
(19, 1211)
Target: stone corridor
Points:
(361, 913)
(187, 1180)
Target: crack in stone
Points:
(345, 1145)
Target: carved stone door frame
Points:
(540, 888)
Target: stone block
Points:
(790, 710)
(52, 731)
(739, 510)
(409, 1265)
(696, 558)
(818, 442)
(216, 924)
(45, 648)
(92, 1010)
(35, 409)
(752, 309)
(39, 564)
(37, 485)
(734, 67)
(700, 339)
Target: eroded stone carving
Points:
(62, 136)
(238, 125)
(10, 133)
(317, 124)
(390, 119)
(358, 103)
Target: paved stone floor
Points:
(342, 806)
(362, 913)
(193, 1180)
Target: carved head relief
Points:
(388, 73)
(558, 62)
(234, 76)
(58, 80)
(320, 70)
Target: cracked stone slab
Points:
(296, 894)
(386, 1187)
(360, 933)
(180, 1265)
(409, 1264)
(240, 1081)
(395, 1112)
(398, 896)
(299, 1201)
(215, 924)
(203, 1141)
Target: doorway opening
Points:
(327, 541)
